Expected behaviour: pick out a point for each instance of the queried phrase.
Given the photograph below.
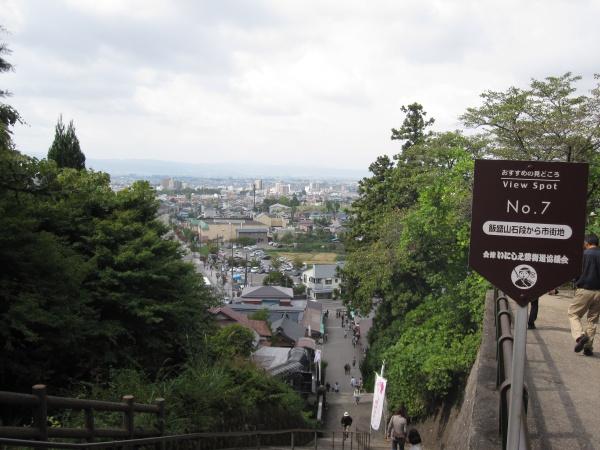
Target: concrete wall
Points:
(470, 422)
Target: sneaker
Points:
(531, 326)
(581, 341)
(588, 352)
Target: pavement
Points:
(337, 352)
(564, 386)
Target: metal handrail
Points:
(504, 355)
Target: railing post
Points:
(40, 412)
(89, 424)
(160, 418)
(128, 416)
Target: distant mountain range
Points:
(150, 167)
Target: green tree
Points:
(294, 201)
(413, 127)
(5, 66)
(547, 122)
(65, 149)
(233, 341)
(277, 278)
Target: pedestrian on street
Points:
(414, 439)
(354, 361)
(352, 382)
(327, 387)
(586, 298)
(326, 336)
(533, 313)
(357, 394)
(345, 333)
(396, 429)
(336, 387)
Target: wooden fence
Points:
(40, 402)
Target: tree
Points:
(5, 66)
(65, 149)
(547, 122)
(413, 127)
(294, 201)
(261, 314)
(277, 278)
(232, 341)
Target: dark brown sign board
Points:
(528, 225)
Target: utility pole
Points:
(246, 272)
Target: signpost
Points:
(528, 225)
(527, 233)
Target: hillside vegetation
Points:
(97, 302)
(409, 240)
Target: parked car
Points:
(296, 273)
(266, 257)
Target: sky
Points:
(276, 81)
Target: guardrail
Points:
(40, 432)
(504, 355)
(292, 439)
(40, 436)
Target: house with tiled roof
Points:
(226, 316)
(286, 332)
(267, 295)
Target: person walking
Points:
(352, 382)
(336, 388)
(327, 386)
(354, 361)
(414, 439)
(357, 394)
(346, 423)
(345, 333)
(396, 429)
(586, 298)
(533, 313)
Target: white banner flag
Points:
(317, 356)
(378, 397)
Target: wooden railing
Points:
(281, 439)
(40, 403)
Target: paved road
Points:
(563, 385)
(338, 351)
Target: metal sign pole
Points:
(517, 376)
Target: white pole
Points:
(517, 376)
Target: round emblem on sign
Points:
(523, 276)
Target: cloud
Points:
(275, 80)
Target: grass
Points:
(310, 258)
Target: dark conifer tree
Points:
(65, 149)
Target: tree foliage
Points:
(409, 237)
(65, 149)
(413, 129)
